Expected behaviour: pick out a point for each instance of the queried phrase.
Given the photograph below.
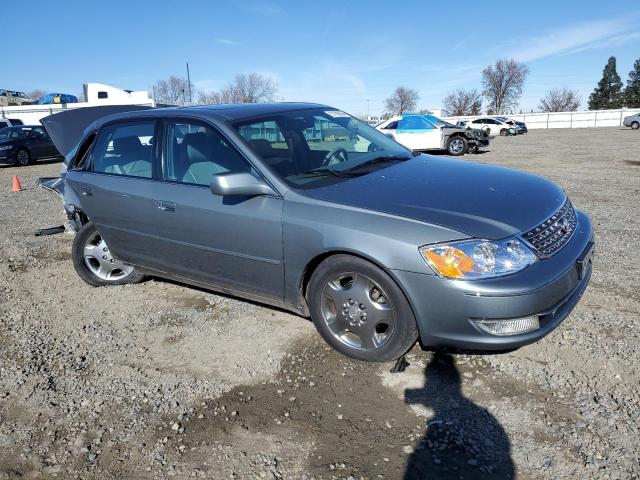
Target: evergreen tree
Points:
(608, 93)
(632, 92)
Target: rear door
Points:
(234, 242)
(116, 189)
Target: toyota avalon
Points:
(304, 207)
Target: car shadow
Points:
(463, 440)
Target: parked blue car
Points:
(56, 98)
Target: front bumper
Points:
(550, 288)
(6, 156)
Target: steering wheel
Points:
(374, 147)
(339, 153)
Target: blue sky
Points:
(349, 54)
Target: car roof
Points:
(224, 112)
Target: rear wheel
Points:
(93, 262)
(23, 158)
(360, 311)
(635, 125)
(457, 146)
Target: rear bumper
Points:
(446, 310)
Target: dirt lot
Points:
(158, 379)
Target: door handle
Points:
(166, 206)
(86, 191)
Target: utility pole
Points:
(189, 84)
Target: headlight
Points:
(475, 259)
(6, 147)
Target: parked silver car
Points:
(305, 207)
(632, 121)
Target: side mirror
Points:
(239, 184)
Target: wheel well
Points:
(313, 264)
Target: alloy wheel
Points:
(23, 158)
(357, 311)
(456, 146)
(98, 259)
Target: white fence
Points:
(584, 119)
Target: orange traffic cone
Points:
(16, 184)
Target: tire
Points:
(457, 146)
(359, 310)
(92, 260)
(23, 158)
(635, 125)
(504, 132)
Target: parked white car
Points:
(632, 121)
(493, 126)
(421, 133)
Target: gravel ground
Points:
(157, 379)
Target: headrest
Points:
(199, 147)
(126, 144)
(262, 147)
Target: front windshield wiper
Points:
(380, 159)
(355, 170)
(323, 171)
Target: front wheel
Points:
(360, 311)
(23, 158)
(504, 132)
(635, 125)
(93, 262)
(457, 146)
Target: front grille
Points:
(554, 233)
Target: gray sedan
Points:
(305, 207)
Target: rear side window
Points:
(125, 149)
(194, 153)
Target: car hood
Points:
(479, 200)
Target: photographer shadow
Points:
(462, 440)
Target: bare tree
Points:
(172, 91)
(560, 100)
(403, 100)
(463, 102)
(502, 84)
(245, 88)
(36, 94)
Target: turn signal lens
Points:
(475, 259)
(449, 261)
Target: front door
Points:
(233, 242)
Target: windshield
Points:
(13, 133)
(307, 148)
(438, 122)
